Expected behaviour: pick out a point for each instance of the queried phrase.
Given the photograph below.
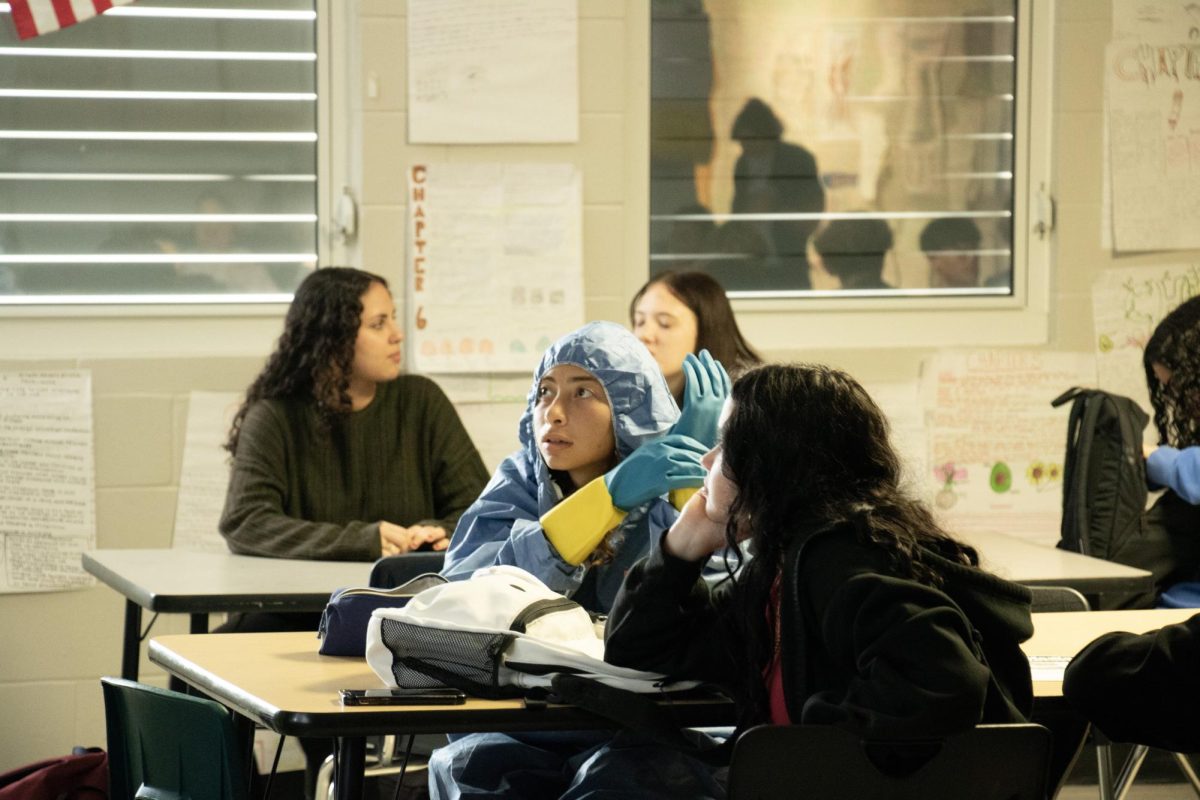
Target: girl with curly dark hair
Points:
(1172, 363)
(856, 610)
(676, 313)
(336, 455)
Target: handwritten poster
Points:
(495, 264)
(204, 476)
(1154, 144)
(995, 444)
(901, 404)
(487, 71)
(47, 480)
(1127, 304)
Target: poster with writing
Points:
(1156, 21)
(495, 264)
(204, 475)
(487, 71)
(995, 444)
(47, 480)
(900, 402)
(1127, 304)
(1153, 101)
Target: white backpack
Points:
(499, 634)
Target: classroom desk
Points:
(1033, 564)
(199, 584)
(278, 681)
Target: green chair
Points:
(163, 745)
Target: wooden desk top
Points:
(1063, 634)
(1040, 565)
(279, 681)
(170, 580)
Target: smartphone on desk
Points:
(435, 696)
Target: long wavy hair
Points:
(315, 353)
(1176, 345)
(808, 449)
(716, 328)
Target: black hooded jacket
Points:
(862, 648)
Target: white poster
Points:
(1154, 145)
(47, 480)
(1127, 304)
(491, 71)
(204, 476)
(495, 264)
(996, 445)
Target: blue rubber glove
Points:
(704, 393)
(655, 468)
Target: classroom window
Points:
(165, 152)
(858, 150)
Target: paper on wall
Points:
(995, 444)
(1127, 304)
(47, 480)
(495, 264)
(483, 71)
(204, 476)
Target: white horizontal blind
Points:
(165, 152)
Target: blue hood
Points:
(641, 402)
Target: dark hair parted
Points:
(950, 233)
(716, 328)
(807, 449)
(315, 353)
(1176, 345)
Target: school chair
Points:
(163, 745)
(820, 762)
(392, 571)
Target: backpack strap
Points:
(641, 714)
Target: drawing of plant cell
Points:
(1000, 479)
(1043, 475)
(516, 346)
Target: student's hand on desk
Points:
(396, 539)
(695, 535)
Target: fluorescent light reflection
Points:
(773, 217)
(142, 299)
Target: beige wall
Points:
(55, 646)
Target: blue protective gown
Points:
(503, 527)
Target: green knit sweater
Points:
(298, 492)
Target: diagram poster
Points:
(995, 444)
(1127, 304)
(495, 264)
(47, 480)
(204, 475)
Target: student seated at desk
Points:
(577, 505)
(336, 455)
(857, 609)
(676, 313)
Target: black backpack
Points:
(1104, 474)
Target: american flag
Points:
(35, 17)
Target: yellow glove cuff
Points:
(679, 497)
(579, 523)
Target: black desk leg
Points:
(351, 760)
(131, 645)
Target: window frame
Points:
(333, 163)
(823, 320)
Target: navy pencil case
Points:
(343, 630)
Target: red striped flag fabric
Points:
(35, 17)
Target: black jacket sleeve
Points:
(666, 619)
(1141, 688)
